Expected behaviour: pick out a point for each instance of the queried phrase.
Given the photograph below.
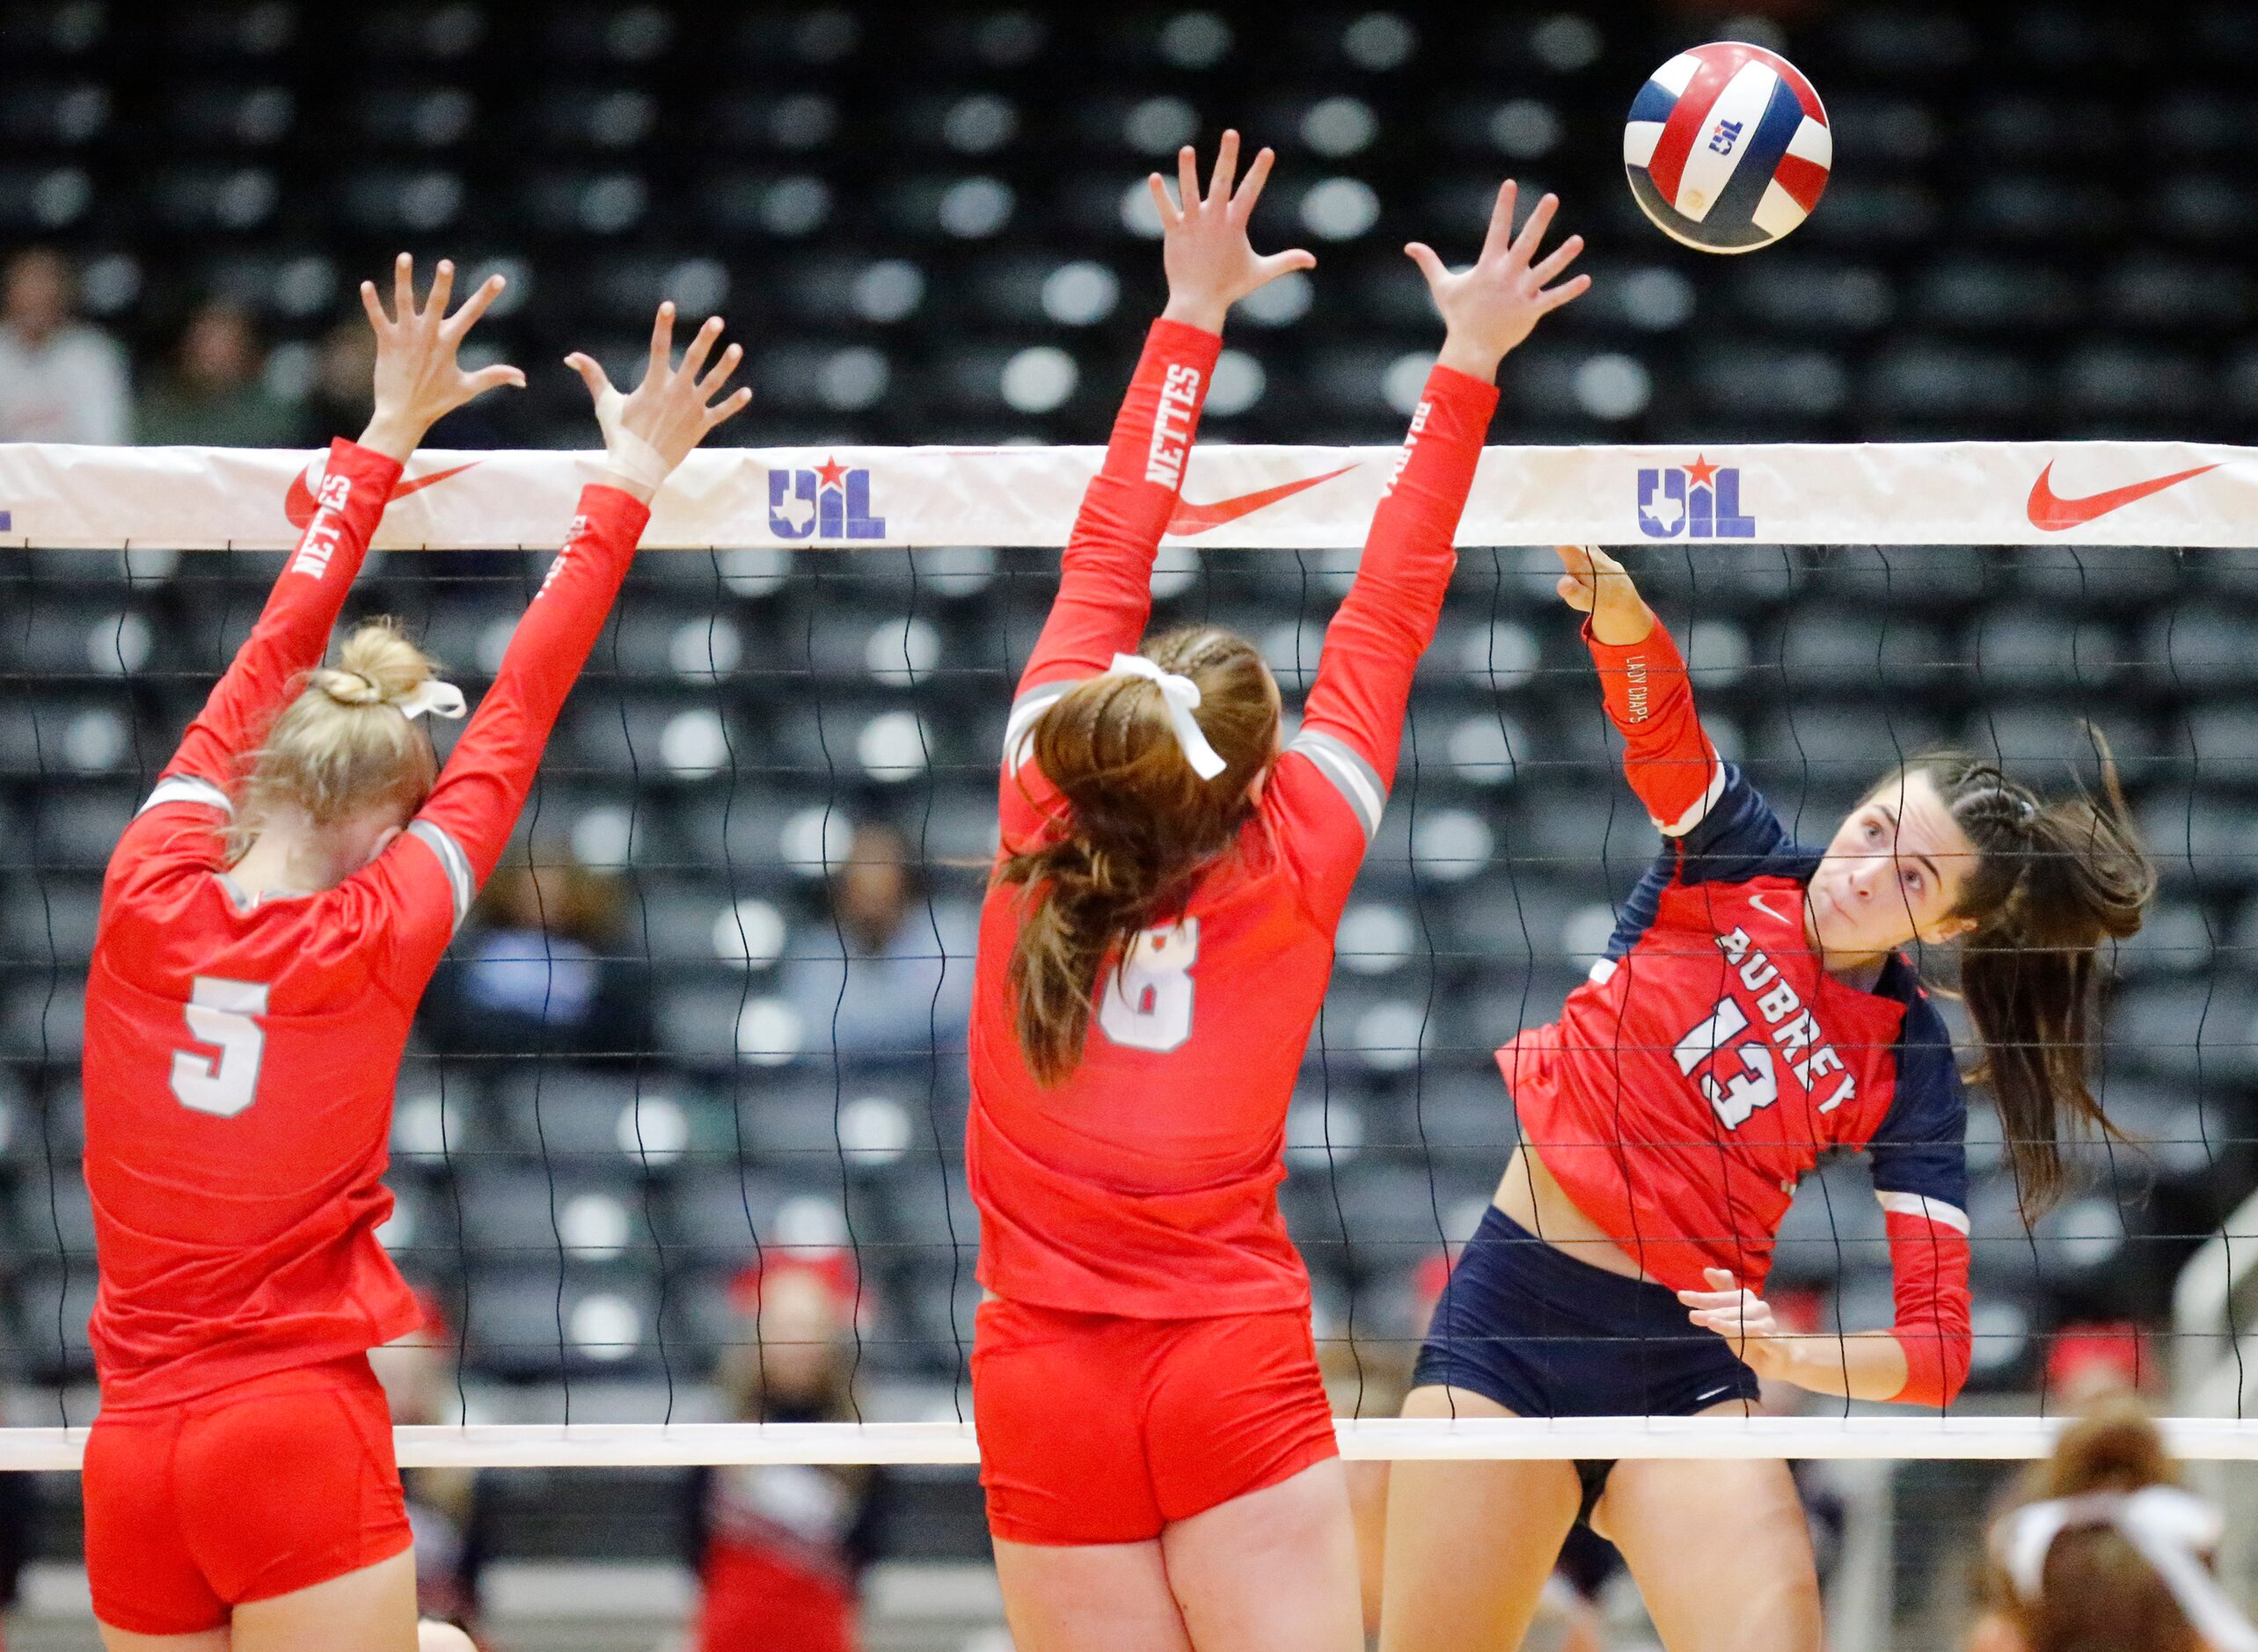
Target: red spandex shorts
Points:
(1097, 1428)
(262, 1488)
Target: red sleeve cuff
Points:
(351, 458)
(1477, 395)
(1934, 1371)
(1658, 647)
(614, 511)
(1179, 341)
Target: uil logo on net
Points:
(1699, 501)
(831, 501)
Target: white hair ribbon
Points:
(2169, 1529)
(634, 458)
(1181, 696)
(433, 697)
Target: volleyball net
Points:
(708, 1026)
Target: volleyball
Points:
(1727, 147)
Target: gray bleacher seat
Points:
(2186, 1028)
(48, 1336)
(522, 1212)
(51, 1219)
(526, 1321)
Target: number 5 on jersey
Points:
(1148, 1002)
(223, 1014)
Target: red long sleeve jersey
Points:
(1146, 1183)
(241, 1054)
(1711, 1059)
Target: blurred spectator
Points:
(214, 392)
(780, 1547)
(338, 405)
(337, 402)
(902, 987)
(447, 1508)
(543, 970)
(2087, 1363)
(60, 379)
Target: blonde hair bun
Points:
(376, 666)
(338, 748)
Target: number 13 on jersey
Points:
(1148, 1002)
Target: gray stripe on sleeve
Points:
(188, 788)
(452, 861)
(1355, 779)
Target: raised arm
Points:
(418, 383)
(1352, 724)
(1105, 586)
(1643, 682)
(470, 813)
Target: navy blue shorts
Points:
(1546, 1335)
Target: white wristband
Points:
(632, 459)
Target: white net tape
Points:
(1277, 498)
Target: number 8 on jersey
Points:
(1148, 1002)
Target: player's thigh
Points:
(371, 1610)
(1272, 1570)
(1089, 1598)
(1469, 1544)
(1368, 1507)
(1721, 1551)
(125, 1641)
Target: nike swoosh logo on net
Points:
(1188, 518)
(298, 503)
(2051, 512)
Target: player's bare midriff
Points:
(1528, 1195)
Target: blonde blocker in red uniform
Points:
(342, 745)
(1140, 825)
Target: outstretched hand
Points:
(647, 434)
(419, 382)
(1745, 1320)
(1491, 308)
(1597, 584)
(1211, 263)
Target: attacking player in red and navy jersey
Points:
(1754, 1011)
(269, 922)
(1155, 1440)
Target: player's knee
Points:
(441, 1637)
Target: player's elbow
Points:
(1937, 1360)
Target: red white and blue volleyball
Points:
(1727, 147)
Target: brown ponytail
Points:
(2097, 1593)
(2051, 880)
(1140, 825)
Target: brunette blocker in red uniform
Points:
(1156, 1444)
